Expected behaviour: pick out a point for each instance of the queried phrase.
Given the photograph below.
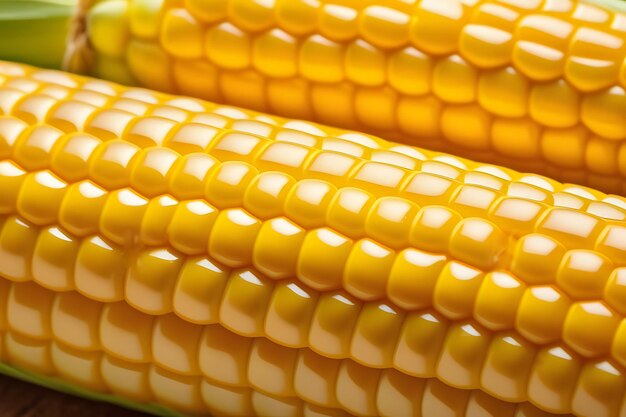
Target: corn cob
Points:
(215, 260)
(536, 85)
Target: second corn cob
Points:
(217, 260)
(534, 85)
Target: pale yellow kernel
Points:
(541, 314)
(356, 388)
(454, 80)
(384, 26)
(544, 29)
(419, 343)
(538, 61)
(600, 384)
(197, 78)
(274, 53)
(365, 64)
(321, 60)
(436, 26)
(486, 46)
(297, 16)
(244, 303)
(565, 147)
(244, 88)
(149, 65)
(507, 367)
(182, 34)
(268, 358)
(555, 104)
(375, 107)
(145, 16)
(254, 15)
(518, 138)
(376, 334)
(419, 116)
(221, 399)
(467, 126)
(504, 92)
(107, 27)
(410, 71)
(463, 354)
(207, 10)
(553, 377)
(333, 104)
(589, 74)
(496, 15)
(456, 290)
(228, 46)
(603, 113)
(601, 156)
(338, 22)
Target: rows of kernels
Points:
(369, 339)
(175, 368)
(473, 240)
(536, 54)
(129, 154)
(163, 208)
(214, 120)
(444, 298)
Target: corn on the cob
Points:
(216, 260)
(535, 85)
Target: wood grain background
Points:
(20, 399)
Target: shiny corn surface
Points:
(216, 260)
(536, 85)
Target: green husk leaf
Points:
(615, 5)
(35, 31)
(67, 388)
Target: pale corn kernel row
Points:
(113, 348)
(35, 98)
(204, 177)
(99, 337)
(530, 85)
(339, 203)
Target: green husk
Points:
(35, 31)
(62, 386)
(615, 5)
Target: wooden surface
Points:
(19, 399)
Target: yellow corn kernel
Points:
(107, 26)
(365, 64)
(144, 17)
(149, 64)
(436, 26)
(207, 10)
(321, 60)
(384, 26)
(296, 16)
(274, 54)
(462, 355)
(504, 92)
(181, 35)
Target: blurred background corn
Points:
(536, 85)
(216, 260)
